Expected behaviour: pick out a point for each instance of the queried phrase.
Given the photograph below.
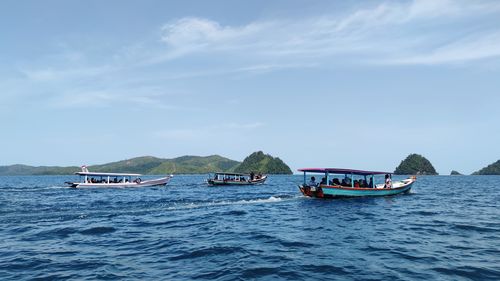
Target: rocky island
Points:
(415, 164)
(492, 169)
(258, 162)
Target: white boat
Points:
(236, 179)
(95, 179)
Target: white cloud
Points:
(465, 49)
(49, 74)
(386, 32)
(138, 98)
(392, 33)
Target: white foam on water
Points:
(271, 199)
(58, 187)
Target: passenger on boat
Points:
(323, 180)
(252, 175)
(336, 181)
(370, 184)
(388, 181)
(364, 183)
(356, 183)
(346, 182)
(312, 182)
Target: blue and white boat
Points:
(97, 179)
(350, 183)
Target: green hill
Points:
(195, 165)
(258, 162)
(147, 165)
(18, 170)
(492, 169)
(415, 164)
(455, 173)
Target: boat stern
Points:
(311, 191)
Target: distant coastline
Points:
(413, 164)
(149, 165)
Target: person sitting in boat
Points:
(346, 182)
(252, 176)
(388, 181)
(323, 181)
(356, 183)
(336, 181)
(370, 184)
(312, 182)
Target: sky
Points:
(349, 84)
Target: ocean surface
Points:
(447, 228)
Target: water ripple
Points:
(447, 228)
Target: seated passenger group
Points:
(345, 182)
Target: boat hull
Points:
(154, 182)
(327, 191)
(229, 182)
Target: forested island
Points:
(258, 162)
(492, 169)
(455, 173)
(149, 165)
(415, 164)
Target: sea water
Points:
(447, 228)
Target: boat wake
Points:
(192, 205)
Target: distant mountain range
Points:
(149, 165)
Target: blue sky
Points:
(355, 84)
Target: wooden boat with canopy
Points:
(236, 179)
(96, 179)
(351, 183)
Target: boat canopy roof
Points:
(342, 171)
(231, 174)
(106, 174)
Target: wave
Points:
(469, 227)
(98, 230)
(216, 250)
